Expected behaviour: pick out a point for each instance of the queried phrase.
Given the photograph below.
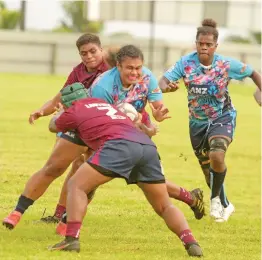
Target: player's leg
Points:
(75, 166)
(152, 182)
(158, 197)
(218, 169)
(200, 145)
(205, 166)
(61, 226)
(114, 159)
(194, 199)
(86, 179)
(219, 137)
(63, 154)
(61, 206)
(199, 142)
(116, 155)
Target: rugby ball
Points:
(129, 110)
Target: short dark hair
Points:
(208, 27)
(130, 51)
(88, 38)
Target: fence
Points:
(44, 53)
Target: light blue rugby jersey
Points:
(208, 96)
(108, 87)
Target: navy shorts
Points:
(200, 134)
(71, 137)
(129, 160)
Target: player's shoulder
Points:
(106, 79)
(146, 71)
(109, 74)
(190, 57)
(147, 74)
(222, 59)
(78, 67)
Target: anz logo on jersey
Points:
(210, 90)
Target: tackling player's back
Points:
(97, 121)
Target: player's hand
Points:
(172, 86)
(160, 114)
(35, 115)
(150, 131)
(257, 96)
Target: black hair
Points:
(88, 38)
(208, 27)
(130, 51)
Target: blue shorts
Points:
(132, 161)
(71, 137)
(200, 134)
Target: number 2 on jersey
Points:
(111, 112)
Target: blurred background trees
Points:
(76, 18)
(9, 19)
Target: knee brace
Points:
(219, 144)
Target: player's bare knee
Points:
(77, 163)
(72, 184)
(217, 159)
(53, 170)
(162, 209)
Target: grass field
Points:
(120, 224)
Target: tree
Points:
(257, 36)
(76, 20)
(9, 19)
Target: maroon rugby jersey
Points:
(96, 122)
(79, 74)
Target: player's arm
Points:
(167, 85)
(50, 106)
(256, 77)
(98, 91)
(155, 99)
(240, 71)
(52, 124)
(169, 81)
(47, 109)
(63, 121)
(150, 130)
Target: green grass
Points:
(120, 224)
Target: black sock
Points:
(223, 197)
(217, 180)
(23, 204)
